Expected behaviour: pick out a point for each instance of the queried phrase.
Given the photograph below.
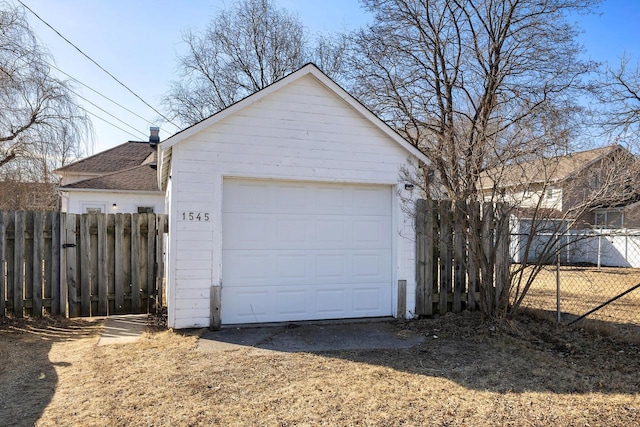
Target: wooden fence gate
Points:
(80, 265)
(447, 276)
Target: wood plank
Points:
(459, 255)
(28, 261)
(446, 254)
(420, 260)
(135, 264)
(142, 259)
(85, 265)
(119, 263)
(402, 299)
(101, 278)
(216, 318)
(502, 268)
(472, 256)
(151, 258)
(487, 290)
(71, 253)
(126, 265)
(55, 260)
(9, 257)
(46, 262)
(3, 272)
(430, 256)
(110, 261)
(18, 264)
(37, 257)
(159, 270)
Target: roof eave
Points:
(107, 190)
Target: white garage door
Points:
(303, 251)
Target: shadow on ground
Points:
(28, 378)
(522, 355)
(312, 337)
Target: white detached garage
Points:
(288, 202)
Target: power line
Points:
(105, 111)
(98, 65)
(108, 122)
(103, 96)
(95, 105)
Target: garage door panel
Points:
(367, 265)
(302, 251)
(261, 268)
(332, 302)
(272, 231)
(375, 202)
(330, 266)
(304, 302)
(293, 266)
(235, 266)
(247, 197)
(369, 299)
(293, 302)
(294, 229)
(247, 305)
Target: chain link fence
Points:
(595, 274)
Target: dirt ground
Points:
(524, 372)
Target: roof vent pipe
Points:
(154, 135)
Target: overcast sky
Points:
(138, 40)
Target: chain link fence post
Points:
(558, 287)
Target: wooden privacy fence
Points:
(447, 270)
(80, 265)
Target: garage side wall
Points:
(302, 132)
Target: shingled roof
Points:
(123, 156)
(137, 178)
(550, 170)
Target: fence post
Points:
(216, 297)
(558, 288)
(402, 299)
(3, 236)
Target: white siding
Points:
(301, 132)
(76, 201)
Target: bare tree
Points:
(243, 50)
(41, 126)
(477, 85)
(618, 95)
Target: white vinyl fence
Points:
(605, 247)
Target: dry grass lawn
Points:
(523, 373)
(585, 288)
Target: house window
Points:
(550, 192)
(595, 179)
(609, 219)
(94, 208)
(145, 209)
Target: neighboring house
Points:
(287, 204)
(119, 180)
(563, 183)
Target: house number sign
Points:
(195, 216)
